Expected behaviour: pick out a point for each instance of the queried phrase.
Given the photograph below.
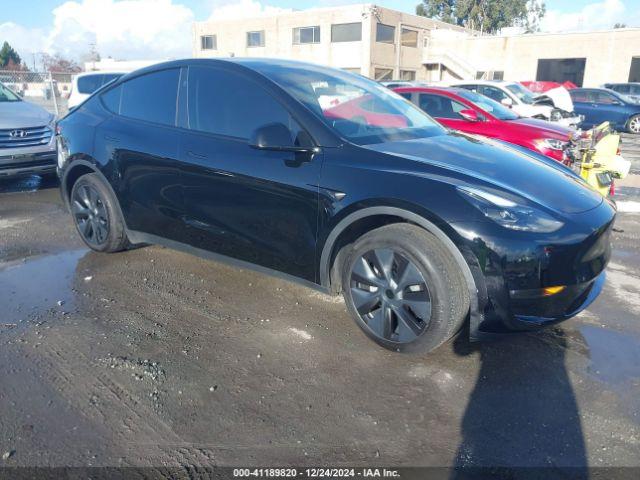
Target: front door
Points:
(254, 205)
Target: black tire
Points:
(97, 216)
(633, 125)
(442, 286)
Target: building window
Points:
(385, 33)
(306, 35)
(255, 39)
(561, 70)
(408, 75)
(497, 75)
(634, 71)
(208, 42)
(383, 74)
(346, 32)
(409, 38)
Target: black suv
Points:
(330, 179)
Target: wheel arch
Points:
(78, 167)
(381, 215)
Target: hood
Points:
(546, 129)
(525, 110)
(23, 115)
(560, 97)
(541, 182)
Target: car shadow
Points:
(522, 419)
(28, 183)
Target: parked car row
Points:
(333, 180)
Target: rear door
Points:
(254, 205)
(140, 141)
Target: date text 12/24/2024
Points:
(315, 473)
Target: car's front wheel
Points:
(404, 288)
(96, 215)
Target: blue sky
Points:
(27, 14)
(160, 29)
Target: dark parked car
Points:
(420, 228)
(602, 105)
(630, 89)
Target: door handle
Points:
(201, 156)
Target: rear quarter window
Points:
(151, 97)
(88, 84)
(111, 99)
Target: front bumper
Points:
(35, 163)
(513, 272)
(37, 159)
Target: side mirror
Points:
(469, 115)
(275, 136)
(507, 102)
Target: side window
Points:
(406, 95)
(493, 93)
(440, 107)
(151, 97)
(580, 96)
(111, 99)
(225, 103)
(604, 98)
(622, 88)
(89, 83)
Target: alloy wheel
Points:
(634, 124)
(390, 295)
(90, 215)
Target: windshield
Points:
(524, 95)
(358, 109)
(7, 95)
(490, 106)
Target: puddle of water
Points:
(615, 357)
(37, 285)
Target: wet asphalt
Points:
(153, 357)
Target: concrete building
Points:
(374, 41)
(386, 44)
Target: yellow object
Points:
(597, 159)
(548, 291)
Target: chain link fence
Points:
(49, 90)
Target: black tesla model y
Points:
(271, 165)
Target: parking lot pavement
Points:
(153, 357)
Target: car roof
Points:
(499, 83)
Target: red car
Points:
(470, 112)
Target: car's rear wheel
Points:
(634, 124)
(96, 215)
(404, 288)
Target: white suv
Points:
(84, 84)
(523, 101)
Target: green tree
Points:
(8, 56)
(485, 15)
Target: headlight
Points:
(508, 213)
(552, 143)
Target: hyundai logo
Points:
(17, 134)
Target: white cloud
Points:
(243, 9)
(594, 16)
(126, 29)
